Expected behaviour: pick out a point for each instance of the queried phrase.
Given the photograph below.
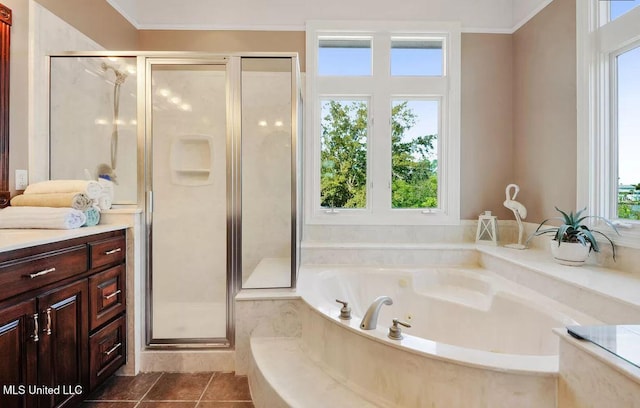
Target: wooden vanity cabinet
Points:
(48, 325)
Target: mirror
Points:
(5, 27)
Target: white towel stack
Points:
(41, 217)
(100, 192)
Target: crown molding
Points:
(221, 27)
(297, 27)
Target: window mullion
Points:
(380, 154)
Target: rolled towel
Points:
(89, 187)
(104, 202)
(41, 217)
(78, 201)
(93, 216)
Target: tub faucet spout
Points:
(370, 319)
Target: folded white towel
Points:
(41, 217)
(89, 187)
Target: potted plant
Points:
(573, 240)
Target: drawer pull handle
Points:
(47, 329)
(112, 294)
(34, 336)
(41, 273)
(113, 251)
(112, 349)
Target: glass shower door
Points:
(268, 172)
(188, 239)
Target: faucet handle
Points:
(395, 332)
(345, 311)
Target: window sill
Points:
(364, 217)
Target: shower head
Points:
(120, 76)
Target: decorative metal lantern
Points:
(487, 229)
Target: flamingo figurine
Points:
(519, 211)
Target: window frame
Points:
(381, 89)
(599, 42)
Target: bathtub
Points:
(476, 338)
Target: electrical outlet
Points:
(22, 179)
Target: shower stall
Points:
(207, 145)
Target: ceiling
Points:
(499, 16)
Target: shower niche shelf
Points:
(191, 160)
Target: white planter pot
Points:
(569, 253)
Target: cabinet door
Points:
(63, 350)
(18, 351)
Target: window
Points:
(608, 120)
(383, 113)
(628, 133)
(344, 56)
(416, 57)
(343, 154)
(414, 153)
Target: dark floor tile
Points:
(125, 388)
(109, 404)
(167, 404)
(225, 404)
(227, 387)
(179, 387)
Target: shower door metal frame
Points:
(234, 140)
(232, 120)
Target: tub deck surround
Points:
(593, 377)
(608, 295)
(348, 367)
(425, 372)
(389, 254)
(283, 375)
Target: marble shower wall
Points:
(82, 116)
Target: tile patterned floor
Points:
(173, 390)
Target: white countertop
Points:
(11, 239)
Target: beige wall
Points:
(224, 41)
(19, 83)
(545, 110)
(97, 20)
(486, 124)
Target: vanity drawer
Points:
(32, 272)
(107, 349)
(106, 295)
(108, 251)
